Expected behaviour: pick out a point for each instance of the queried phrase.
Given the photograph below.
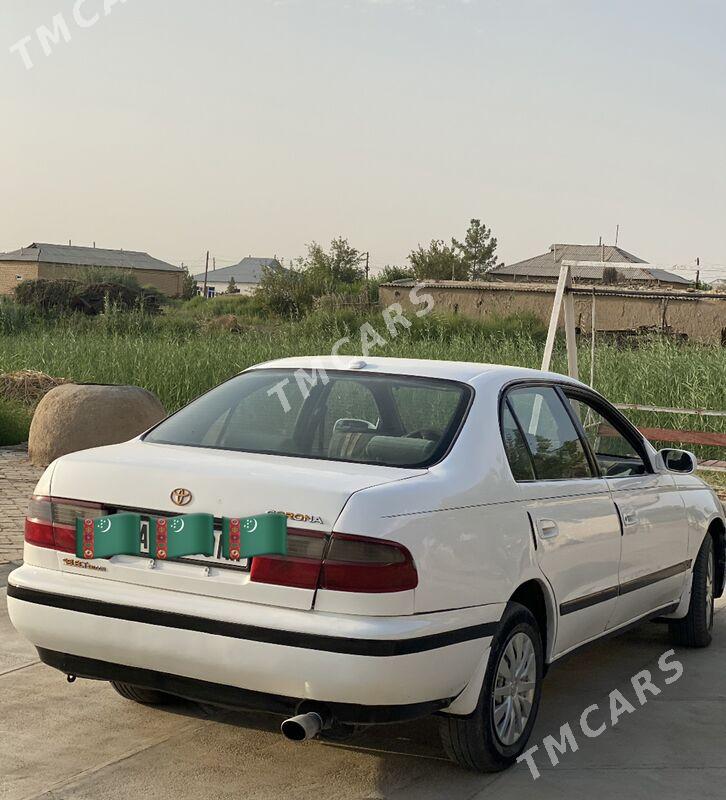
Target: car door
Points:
(653, 563)
(575, 524)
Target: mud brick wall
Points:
(691, 314)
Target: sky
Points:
(252, 127)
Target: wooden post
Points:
(570, 335)
(368, 279)
(592, 342)
(563, 297)
(206, 274)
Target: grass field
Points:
(179, 367)
(178, 361)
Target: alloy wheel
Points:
(709, 590)
(514, 688)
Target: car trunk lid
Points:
(140, 476)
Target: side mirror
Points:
(681, 461)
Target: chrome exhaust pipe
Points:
(302, 727)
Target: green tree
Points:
(478, 250)
(232, 286)
(392, 273)
(292, 292)
(329, 270)
(286, 292)
(438, 262)
(189, 286)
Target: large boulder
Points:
(75, 417)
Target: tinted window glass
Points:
(351, 419)
(517, 453)
(256, 421)
(556, 448)
(339, 416)
(421, 409)
(616, 456)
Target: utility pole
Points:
(368, 283)
(206, 274)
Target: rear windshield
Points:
(391, 420)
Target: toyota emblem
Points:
(181, 497)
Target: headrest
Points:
(396, 450)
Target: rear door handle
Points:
(630, 518)
(547, 528)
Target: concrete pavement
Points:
(82, 741)
(17, 481)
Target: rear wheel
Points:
(147, 697)
(694, 630)
(497, 732)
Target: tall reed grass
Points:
(178, 363)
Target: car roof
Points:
(463, 371)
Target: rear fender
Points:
(466, 701)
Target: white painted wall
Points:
(220, 287)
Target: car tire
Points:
(694, 630)
(479, 741)
(147, 697)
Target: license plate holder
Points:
(217, 560)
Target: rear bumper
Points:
(229, 696)
(237, 654)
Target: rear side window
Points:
(549, 433)
(422, 408)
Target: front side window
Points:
(550, 434)
(615, 454)
(392, 420)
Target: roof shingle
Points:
(249, 270)
(547, 265)
(87, 257)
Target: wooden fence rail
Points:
(696, 412)
(671, 436)
(703, 438)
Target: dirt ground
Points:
(83, 742)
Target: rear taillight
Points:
(51, 521)
(299, 568)
(351, 564)
(359, 564)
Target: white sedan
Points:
(453, 529)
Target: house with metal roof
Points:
(592, 264)
(247, 276)
(54, 261)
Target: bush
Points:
(14, 317)
(14, 423)
(67, 296)
(286, 294)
